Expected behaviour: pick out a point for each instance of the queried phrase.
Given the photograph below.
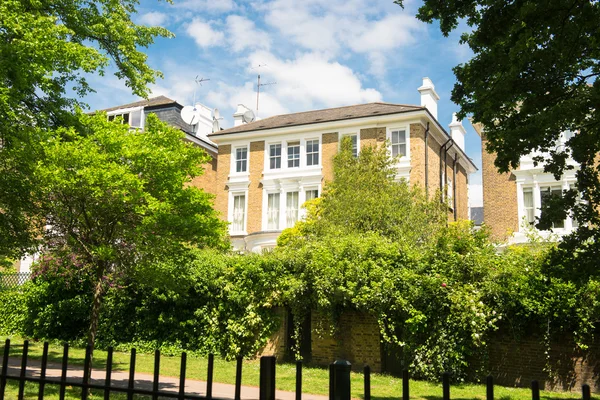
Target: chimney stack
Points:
(429, 97)
(457, 131)
(238, 116)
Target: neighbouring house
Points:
(268, 168)
(512, 201)
(168, 111)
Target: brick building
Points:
(512, 200)
(268, 168)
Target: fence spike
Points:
(446, 386)
(4, 368)
(107, 379)
(63, 372)
(367, 373)
(87, 367)
(405, 386)
(299, 380)
(209, 378)
(156, 374)
(182, 376)
(238, 378)
(23, 370)
(43, 372)
(130, 384)
(489, 382)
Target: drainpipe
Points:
(454, 186)
(442, 147)
(427, 162)
(446, 162)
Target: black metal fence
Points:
(339, 379)
(13, 280)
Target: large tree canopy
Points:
(533, 75)
(117, 200)
(46, 49)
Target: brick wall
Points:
(515, 362)
(500, 207)
(223, 165)
(255, 190)
(330, 148)
(277, 343)
(356, 340)
(462, 197)
(372, 136)
(208, 180)
(417, 155)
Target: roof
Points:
(319, 116)
(152, 102)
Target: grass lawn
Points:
(315, 380)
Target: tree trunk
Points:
(94, 317)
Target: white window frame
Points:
(318, 152)
(298, 206)
(123, 111)
(231, 211)
(266, 208)
(351, 134)
(406, 130)
(269, 156)
(233, 166)
(293, 143)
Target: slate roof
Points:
(152, 102)
(319, 116)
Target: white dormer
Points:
(238, 116)
(429, 97)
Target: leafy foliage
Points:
(118, 201)
(534, 74)
(47, 48)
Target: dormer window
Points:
(134, 117)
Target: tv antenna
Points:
(258, 85)
(198, 82)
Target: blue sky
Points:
(320, 53)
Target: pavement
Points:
(166, 383)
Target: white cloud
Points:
(475, 195)
(389, 33)
(206, 5)
(310, 80)
(204, 34)
(153, 18)
(243, 34)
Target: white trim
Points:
(232, 195)
(129, 110)
(403, 166)
(233, 160)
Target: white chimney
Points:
(238, 116)
(457, 131)
(429, 97)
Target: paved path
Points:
(121, 378)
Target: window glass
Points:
(529, 207)
(312, 152)
(241, 159)
(312, 194)
(545, 194)
(275, 156)
(273, 211)
(291, 210)
(398, 143)
(239, 213)
(136, 119)
(293, 149)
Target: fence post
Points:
(446, 386)
(586, 392)
(4, 368)
(490, 388)
(298, 380)
(535, 390)
(405, 387)
(238, 379)
(367, 373)
(267, 378)
(209, 376)
(339, 380)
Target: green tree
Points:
(364, 196)
(118, 201)
(533, 75)
(47, 47)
